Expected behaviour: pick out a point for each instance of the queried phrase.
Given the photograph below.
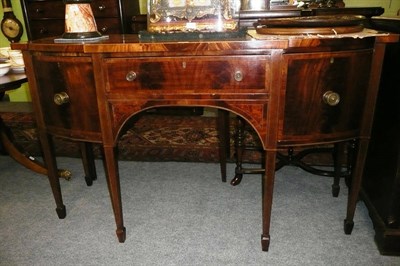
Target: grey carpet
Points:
(178, 214)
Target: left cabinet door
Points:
(67, 96)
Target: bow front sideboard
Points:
(292, 90)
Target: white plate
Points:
(18, 70)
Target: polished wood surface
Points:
(107, 83)
(12, 81)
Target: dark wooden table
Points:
(11, 82)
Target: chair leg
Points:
(224, 140)
(337, 154)
(291, 159)
(239, 149)
(10, 147)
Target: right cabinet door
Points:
(323, 96)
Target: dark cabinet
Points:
(381, 187)
(45, 18)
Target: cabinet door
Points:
(324, 97)
(67, 95)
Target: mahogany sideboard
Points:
(286, 88)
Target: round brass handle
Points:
(331, 98)
(238, 75)
(131, 76)
(101, 7)
(61, 98)
(43, 31)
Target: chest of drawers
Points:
(45, 18)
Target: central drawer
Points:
(56, 9)
(246, 74)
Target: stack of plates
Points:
(4, 57)
(14, 57)
(18, 69)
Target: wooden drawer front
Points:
(47, 28)
(108, 25)
(46, 9)
(200, 74)
(104, 8)
(307, 116)
(55, 27)
(78, 118)
(56, 9)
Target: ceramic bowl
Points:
(4, 51)
(4, 56)
(4, 68)
(16, 58)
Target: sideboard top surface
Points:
(130, 43)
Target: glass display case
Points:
(191, 16)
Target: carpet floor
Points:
(179, 213)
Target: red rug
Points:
(152, 137)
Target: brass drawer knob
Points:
(238, 75)
(61, 98)
(331, 98)
(131, 76)
(104, 29)
(43, 31)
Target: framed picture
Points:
(191, 15)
